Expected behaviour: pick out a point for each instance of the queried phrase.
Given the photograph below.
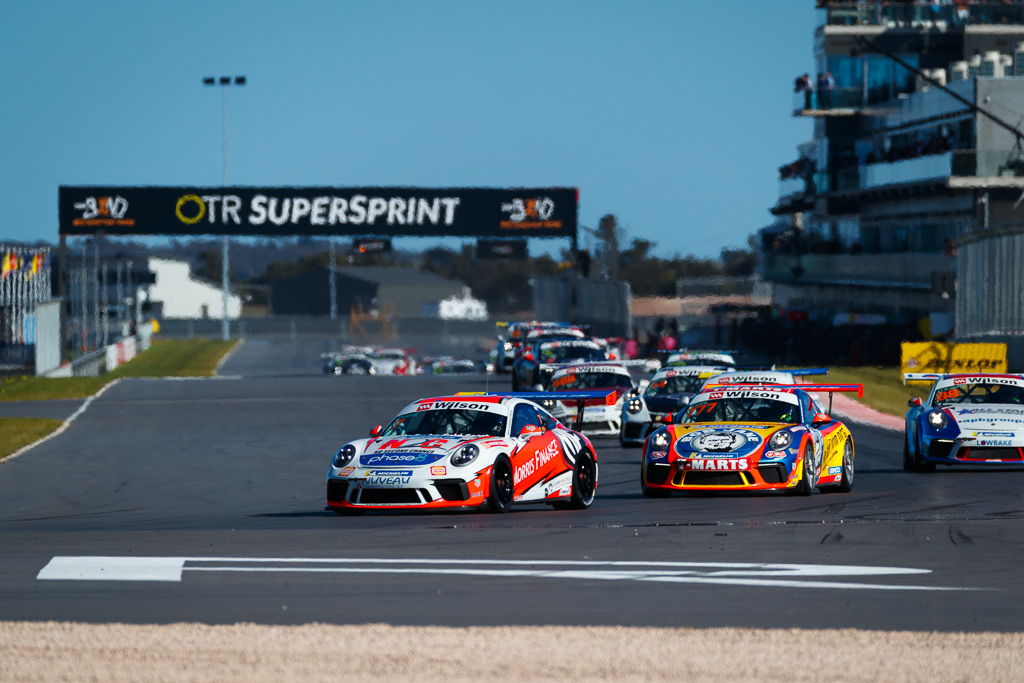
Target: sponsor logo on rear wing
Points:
(609, 397)
(810, 388)
(921, 377)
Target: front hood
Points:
(667, 403)
(412, 450)
(987, 417)
(722, 440)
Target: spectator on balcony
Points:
(825, 85)
(804, 85)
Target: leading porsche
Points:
(751, 437)
(474, 450)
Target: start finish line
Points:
(132, 568)
(269, 211)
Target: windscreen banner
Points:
(948, 357)
(356, 211)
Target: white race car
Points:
(668, 392)
(763, 376)
(473, 450)
(600, 416)
(722, 359)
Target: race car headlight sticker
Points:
(659, 441)
(780, 440)
(937, 419)
(634, 405)
(465, 455)
(344, 455)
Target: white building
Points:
(185, 296)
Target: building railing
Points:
(836, 98)
(971, 163)
(910, 268)
(917, 15)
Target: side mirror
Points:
(376, 431)
(820, 419)
(527, 430)
(915, 402)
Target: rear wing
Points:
(610, 397)
(803, 372)
(810, 388)
(595, 363)
(921, 377)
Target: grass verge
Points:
(21, 431)
(883, 388)
(165, 358)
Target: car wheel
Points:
(500, 497)
(908, 460)
(915, 461)
(515, 382)
(807, 478)
(846, 485)
(584, 485)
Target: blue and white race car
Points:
(967, 419)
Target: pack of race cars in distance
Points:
(371, 360)
(473, 450)
(966, 419)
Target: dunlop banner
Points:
(357, 211)
(946, 357)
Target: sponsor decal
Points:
(542, 457)
(702, 464)
(388, 478)
(452, 405)
(1004, 434)
(438, 470)
(773, 455)
(996, 442)
(345, 471)
(941, 357)
(728, 440)
(835, 470)
(386, 459)
(657, 455)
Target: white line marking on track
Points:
(67, 423)
(115, 568)
(224, 358)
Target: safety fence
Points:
(24, 283)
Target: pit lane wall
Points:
(106, 358)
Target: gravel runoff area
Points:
(53, 651)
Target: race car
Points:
(348, 363)
(515, 334)
(467, 450)
(751, 437)
(763, 376)
(527, 371)
(393, 362)
(723, 359)
(600, 416)
(668, 392)
(968, 419)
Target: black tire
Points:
(916, 462)
(649, 492)
(584, 484)
(845, 485)
(502, 489)
(348, 512)
(807, 478)
(515, 381)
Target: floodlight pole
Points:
(225, 261)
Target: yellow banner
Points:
(945, 357)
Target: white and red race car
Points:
(601, 416)
(467, 450)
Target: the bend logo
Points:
(103, 211)
(530, 212)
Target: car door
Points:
(537, 456)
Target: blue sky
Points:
(672, 115)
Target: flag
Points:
(7, 265)
(36, 265)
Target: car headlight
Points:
(635, 405)
(937, 419)
(659, 440)
(780, 440)
(508, 347)
(465, 455)
(344, 455)
(547, 404)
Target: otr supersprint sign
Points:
(408, 211)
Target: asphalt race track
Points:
(206, 499)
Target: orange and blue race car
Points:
(751, 437)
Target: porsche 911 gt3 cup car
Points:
(763, 376)
(668, 392)
(348, 363)
(751, 437)
(968, 419)
(473, 450)
(601, 416)
(723, 359)
(533, 368)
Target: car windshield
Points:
(459, 422)
(981, 392)
(590, 380)
(570, 353)
(674, 385)
(388, 355)
(742, 410)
